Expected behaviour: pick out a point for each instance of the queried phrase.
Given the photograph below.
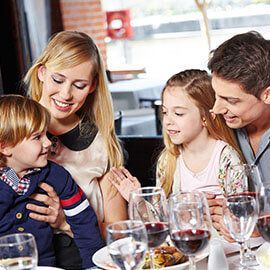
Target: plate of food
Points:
(263, 255)
(166, 257)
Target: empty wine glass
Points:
(190, 223)
(18, 251)
(243, 180)
(263, 199)
(240, 213)
(127, 243)
(149, 204)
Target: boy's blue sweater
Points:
(14, 217)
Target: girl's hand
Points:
(52, 214)
(125, 181)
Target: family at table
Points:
(211, 123)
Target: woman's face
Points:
(65, 91)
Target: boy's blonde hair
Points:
(68, 49)
(197, 84)
(20, 118)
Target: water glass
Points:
(18, 252)
(127, 243)
(240, 214)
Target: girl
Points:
(69, 80)
(199, 147)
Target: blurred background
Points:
(142, 42)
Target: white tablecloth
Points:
(126, 94)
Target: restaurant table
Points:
(126, 94)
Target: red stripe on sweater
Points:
(71, 200)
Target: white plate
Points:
(263, 255)
(103, 259)
(48, 268)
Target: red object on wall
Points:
(118, 24)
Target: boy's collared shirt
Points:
(19, 184)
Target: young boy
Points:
(24, 148)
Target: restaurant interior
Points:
(135, 92)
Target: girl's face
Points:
(65, 91)
(181, 117)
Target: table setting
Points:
(174, 233)
(184, 222)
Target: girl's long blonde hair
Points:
(68, 49)
(197, 84)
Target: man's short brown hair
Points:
(244, 59)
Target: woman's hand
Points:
(125, 181)
(52, 214)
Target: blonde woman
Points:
(69, 80)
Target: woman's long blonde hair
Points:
(68, 49)
(197, 84)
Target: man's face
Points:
(238, 107)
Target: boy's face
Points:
(238, 107)
(29, 153)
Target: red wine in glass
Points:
(190, 242)
(248, 193)
(157, 233)
(263, 225)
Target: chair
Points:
(141, 153)
(118, 123)
(156, 104)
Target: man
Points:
(241, 80)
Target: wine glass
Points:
(240, 214)
(18, 251)
(127, 243)
(263, 199)
(243, 180)
(190, 223)
(149, 204)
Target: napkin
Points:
(217, 258)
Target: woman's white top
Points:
(85, 166)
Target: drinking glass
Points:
(239, 181)
(240, 214)
(127, 243)
(241, 178)
(18, 251)
(263, 199)
(190, 223)
(149, 204)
